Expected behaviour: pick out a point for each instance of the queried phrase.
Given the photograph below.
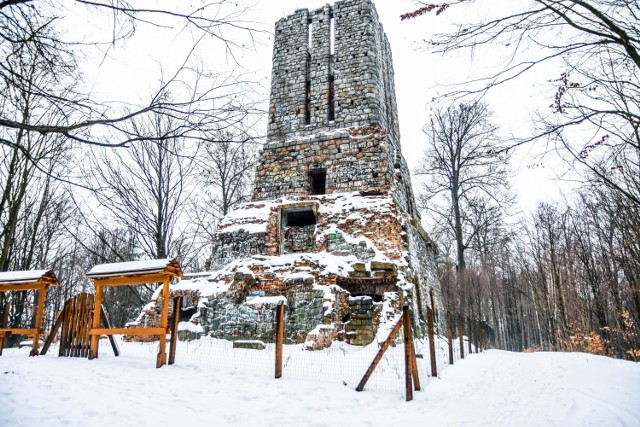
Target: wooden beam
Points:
(64, 334)
(459, 321)
(177, 303)
(432, 343)
(378, 357)
(83, 324)
(42, 292)
(450, 337)
(22, 287)
(3, 323)
(95, 339)
(138, 279)
(18, 331)
(414, 361)
(52, 334)
(469, 334)
(5, 315)
(96, 332)
(408, 363)
(279, 338)
(164, 319)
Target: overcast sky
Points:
(419, 76)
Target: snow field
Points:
(341, 363)
(494, 388)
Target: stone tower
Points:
(332, 71)
(332, 225)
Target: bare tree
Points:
(465, 174)
(199, 98)
(143, 188)
(226, 165)
(594, 115)
(229, 163)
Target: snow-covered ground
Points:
(494, 388)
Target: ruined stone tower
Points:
(332, 225)
(332, 71)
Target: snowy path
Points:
(495, 388)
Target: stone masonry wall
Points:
(376, 218)
(360, 67)
(331, 181)
(352, 163)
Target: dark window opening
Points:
(318, 179)
(332, 102)
(307, 103)
(300, 217)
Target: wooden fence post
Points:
(432, 343)
(161, 359)
(470, 334)
(414, 361)
(450, 337)
(177, 303)
(408, 365)
(64, 334)
(42, 293)
(279, 337)
(93, 352)
(3, 323)
(459, 321)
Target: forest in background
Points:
(87, 180)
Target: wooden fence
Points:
(75, 319)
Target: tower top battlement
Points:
(332, 68)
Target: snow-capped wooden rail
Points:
(38, 280)
(134, 273)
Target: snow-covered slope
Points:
(494, 388)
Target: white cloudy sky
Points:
(131, 70)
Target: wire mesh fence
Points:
(339, 363)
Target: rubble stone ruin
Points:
(332, 226)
